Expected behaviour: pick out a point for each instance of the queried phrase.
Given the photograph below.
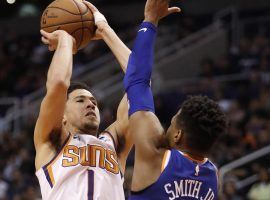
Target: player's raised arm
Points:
(106, 33)
(119, 49)
(58, 79)
(143, 124)
(119, 129)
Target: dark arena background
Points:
(216, 48)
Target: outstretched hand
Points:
(100, 20)
(155, 10)
(53, 39)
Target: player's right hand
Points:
(155, 10)
(58, 37)
(100, 20)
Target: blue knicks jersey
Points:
(182, 178)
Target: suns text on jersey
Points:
(187, 188)
(92, 156)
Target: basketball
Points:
(73, 16)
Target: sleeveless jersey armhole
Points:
(58, 153)
(47, 168)
(107, 137)
(217, 173)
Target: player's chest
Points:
(95, 155)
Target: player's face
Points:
(82, 112)
(173, 134)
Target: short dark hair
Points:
(77, 85)
(202, 122)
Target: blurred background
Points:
(216, 48)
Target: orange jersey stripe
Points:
(49, 165)
(164, 160)
(195, 160)
(51, 174)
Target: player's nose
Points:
(90, 105)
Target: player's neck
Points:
(70, 129)
(192, 154)
(73, 130)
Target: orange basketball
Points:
(72, 16)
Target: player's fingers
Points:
(74, 42)
(174, 10)
(99, 18)
(44, 40)
(96, 37)
(44, 33)
(90, 6)
(50, 47)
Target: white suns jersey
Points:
(86, 168)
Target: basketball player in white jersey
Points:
(71, 162)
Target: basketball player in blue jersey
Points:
(171, 165)
(71, 162)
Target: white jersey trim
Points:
(107, 137)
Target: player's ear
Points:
(64, 121)
(178, 136)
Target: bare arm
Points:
(106, 33)
(119, 129)
(120, 132)
(119, 49)
(58, 80)
(147, 134)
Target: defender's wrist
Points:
(151, 20)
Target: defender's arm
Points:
(144, 127)
(143, 124)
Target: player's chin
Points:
(91, 127)
(92, 121)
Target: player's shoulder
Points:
(184, 156)
(107, 138)
(212, 166)
(87, 139)
(104, 139)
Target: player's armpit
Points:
(123, 142)
(147, 134)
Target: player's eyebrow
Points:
(83, 97)
(79, 97)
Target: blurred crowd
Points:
(240, 83)
(24, 60)
(245, 99)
